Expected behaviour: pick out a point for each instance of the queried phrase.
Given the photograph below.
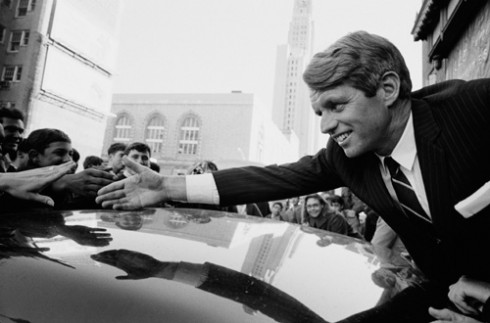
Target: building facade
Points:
(229, 129)
(291, 104)
(456, 39)
(56, 65)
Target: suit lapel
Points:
(432, 164)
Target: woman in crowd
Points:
(317, 214)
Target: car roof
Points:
(247, 263)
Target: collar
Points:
(405, 150)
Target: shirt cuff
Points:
(191, 274)
(201, 189)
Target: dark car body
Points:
(249, 269)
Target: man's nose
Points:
(328, 122)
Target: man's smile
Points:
(340, 138)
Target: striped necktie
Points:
(404, 191)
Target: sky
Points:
(219, 46)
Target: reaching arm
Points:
(145, 188)
(26, 184)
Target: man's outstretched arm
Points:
(145, 188)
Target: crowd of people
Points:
(414, 159)
(49, 150)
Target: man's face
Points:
(56, 153)
(276, 209)
(142, 158)
(14, 128)
(335, 206)
(115, 160)
(358, 124)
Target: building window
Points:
(25, 6)
(7, 3)
(3, 30)
(18, 38)
(123, 129)
(154, 134)
(12, 73)
(189, 135)
(7, 104)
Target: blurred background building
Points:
(230, 129)
(57, 59)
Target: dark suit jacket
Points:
(452, 132)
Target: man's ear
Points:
(33, 157)
(390, 82)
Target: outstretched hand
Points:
(145, 188)
(84, 183)
(26, 184)
(137, 265)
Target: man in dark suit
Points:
(436, 138)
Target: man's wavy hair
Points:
(40, 139)
(358, 59)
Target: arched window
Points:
(123, 127)
(189, 135)
(154, 134)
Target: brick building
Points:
(229, 129)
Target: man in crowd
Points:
(416, 158)
(93, 161)
(13, 125)
(115, 153)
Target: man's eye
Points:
(336, 107)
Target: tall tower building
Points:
(291, 107)
(57, 58)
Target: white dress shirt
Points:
(405, 154)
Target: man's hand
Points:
(26, 184)
(136, 265)
(468, 294)
(145, 188)
(447, 316)
(84, 183)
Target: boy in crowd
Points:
(139, 153)
(48, 147)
